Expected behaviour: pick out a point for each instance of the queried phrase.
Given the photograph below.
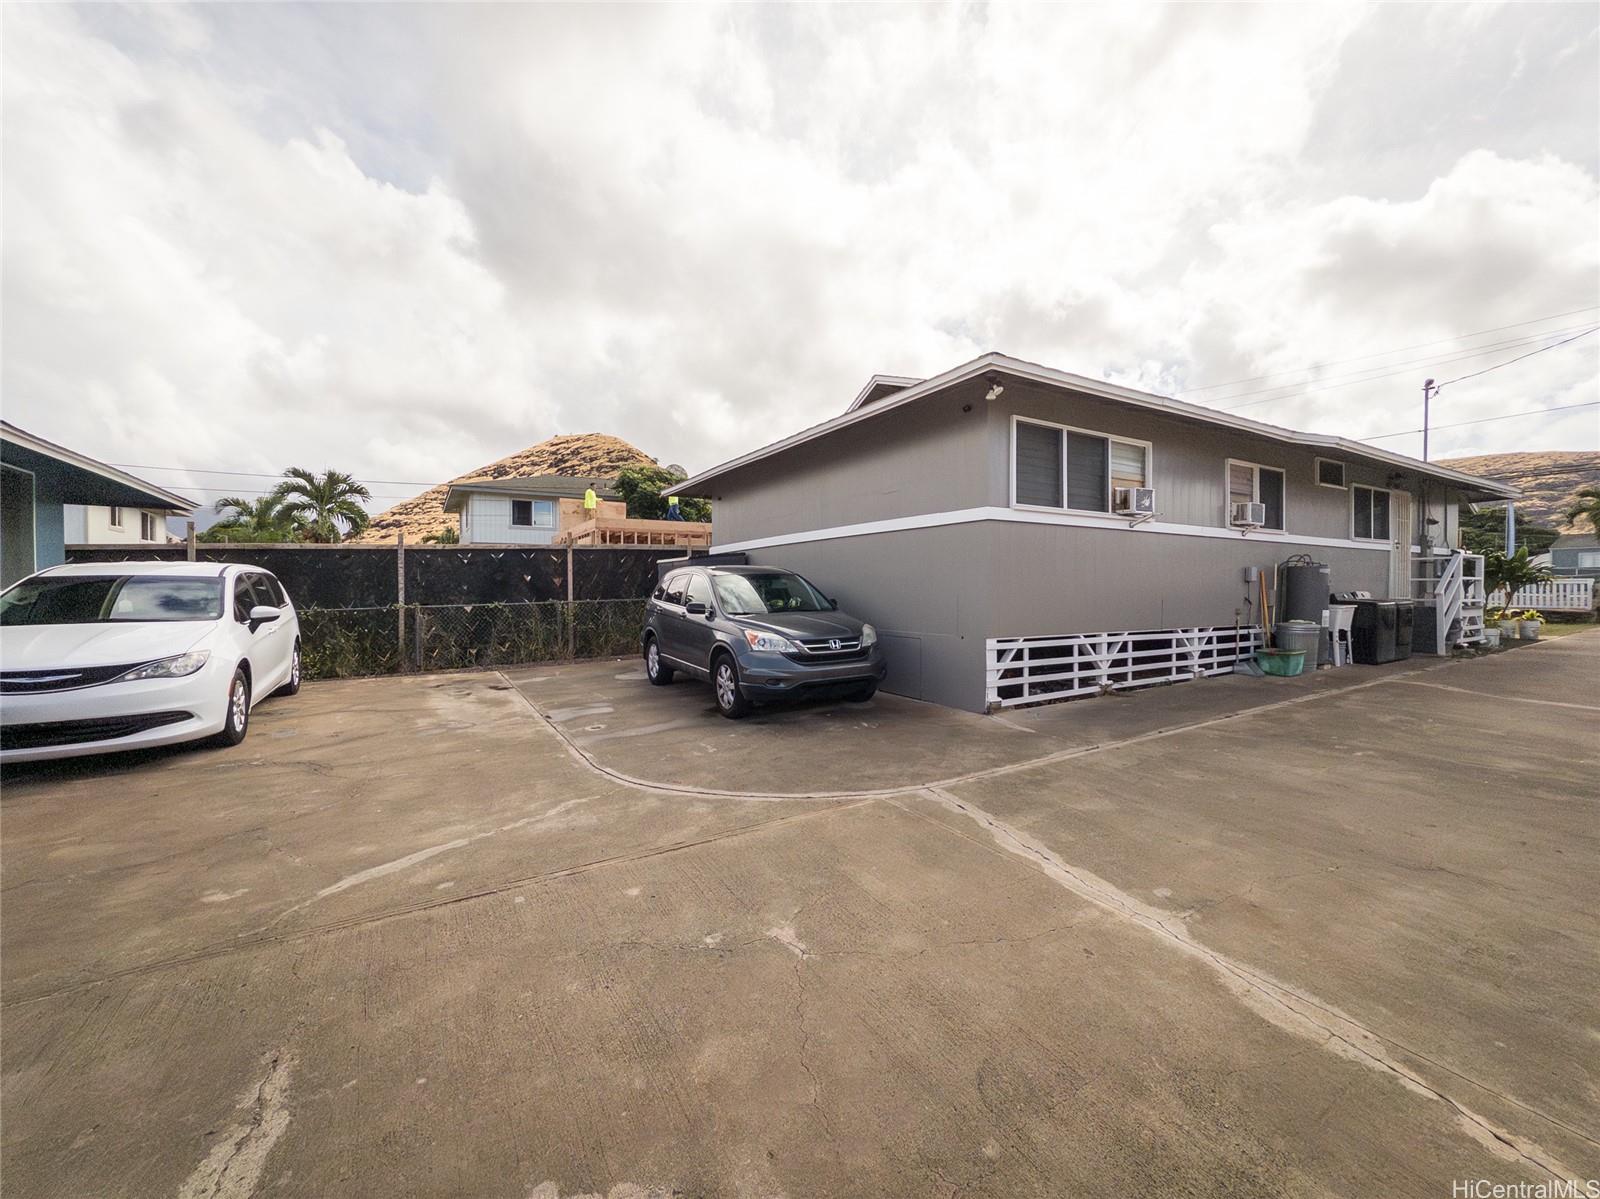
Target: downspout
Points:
(1511, 528)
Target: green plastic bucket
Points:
(1285, 662)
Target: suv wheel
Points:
(657, 671)
(725, 682)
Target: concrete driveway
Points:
(557, 932)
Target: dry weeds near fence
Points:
(401, 638)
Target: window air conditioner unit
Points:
(1135, 501)
(1250, 516)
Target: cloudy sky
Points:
(408, 240)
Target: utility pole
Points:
(1428, 392)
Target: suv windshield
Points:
(768, 591)
(111, 599)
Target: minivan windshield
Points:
(110, 599)
(767, 591)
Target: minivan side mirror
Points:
(261, 614)
(695, 609)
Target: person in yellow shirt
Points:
(672, 508)
(590, 503)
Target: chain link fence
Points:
(349, 642)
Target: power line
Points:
(1509, 361)
(1385, 353)
(1294, 391)
(258, 474)
(1484, 420)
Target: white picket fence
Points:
(1558, 595)
(1031, 670)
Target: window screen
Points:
(1128, 465)
(1371, 513)
(1270, 485)
(544, 514)
(1087, 465)
(1330, 473)
(521, 513)
(1038, 465)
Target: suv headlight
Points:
(168, 668)
(869, 636)
(769, 643)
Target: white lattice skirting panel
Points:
(1031, 670)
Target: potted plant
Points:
(1505, 622)
(1529, 623)
(1491, 629)
(1510, 573)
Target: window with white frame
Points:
(1330, 473)
(1054, 466)
(533, 514)
(1251, 483)
(147, 527)
(116, 518)
(1369, 513)
(1588, 559)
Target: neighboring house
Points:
(38, 479)
(1004, 499)
(525, 511)
(115, 525)
(1575, 555)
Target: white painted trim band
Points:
(964, 516)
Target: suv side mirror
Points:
(695, 609)
(833, 604)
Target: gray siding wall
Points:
(926, 457)
(1105, 580)
(1189, 463)
(925, 592)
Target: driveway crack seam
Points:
(1281, 1004)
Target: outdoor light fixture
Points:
(995, 387)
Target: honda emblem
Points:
(834, 643)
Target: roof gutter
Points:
(1050, 377)
(50, 449)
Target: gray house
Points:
(1005, 522)
(1575, 555)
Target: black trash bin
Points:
(1405, 615)
(1374, 628)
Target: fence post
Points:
(190, 541)
(417, 638)
(572, 611)
(400, 593)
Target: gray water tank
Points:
(1303, 589)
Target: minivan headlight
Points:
(769, 643)
(869, 636)
(168, 668)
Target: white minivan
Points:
(97, 657)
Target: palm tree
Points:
(1511, 573)
(250, 520)
(1586, 508)
(326, 507)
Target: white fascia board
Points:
(1051, 377)
(185, 507)
(900, 381)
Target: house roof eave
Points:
(1049, 376)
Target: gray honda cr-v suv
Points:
(756, 633)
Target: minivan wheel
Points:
(237, 722)
(657, 671)
(725, 682)
(292, 687)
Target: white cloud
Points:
(410, 240)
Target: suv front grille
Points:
(827, 649)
